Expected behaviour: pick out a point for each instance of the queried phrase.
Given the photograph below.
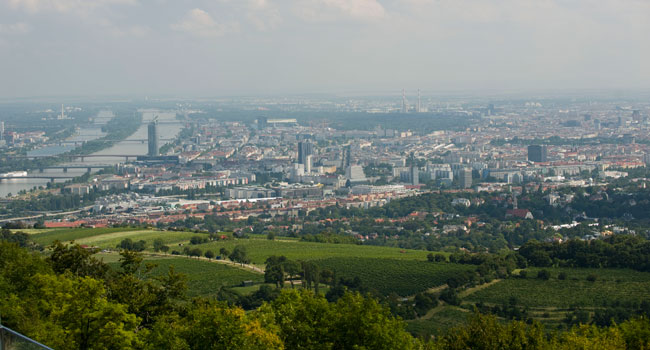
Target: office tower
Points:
(62, 115)
(646, 159)
(153, 138)
(347, 154)
(262, 123)
(308, 164)
(355, 173)
(2, 130)
(305, 148)
(490, 109)
(537, 153)
(465, 178)
(415, 176)
(417, 109)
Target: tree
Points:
(310, 274)
(209, 254)
(128, 244)
(76, 260)
(217, 326)
(362, 323)
(303, 319)
(158, 244)
(21, 238)
(196, 252)
(274, 271)
(130, 261)
(77, 315)
(224, 253)
(198, 240)
(292, 269)
(486, 332)
(239, 255)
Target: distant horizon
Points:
(623, 93)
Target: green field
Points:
(109, 238)
(404, 277)
(575, 291)
(260, 249)
(47, 236)
(204, 278)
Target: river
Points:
(168, 128)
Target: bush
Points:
(440, 258)
(195, 252)
(592, 278)
(450, 297)
(129, 244)
(562, 276)
(198, 240)
(543, 274)
(523, 274)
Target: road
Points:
(46, 214)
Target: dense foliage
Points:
(617, 251)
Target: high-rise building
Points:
(405, 105)
(305, 148)
(355, 173)
(153, 138)
(646, 159)
(347, 154)
(415, 176)
(465, 177)
(2, 130)
(537, 153)
(308, 164)
(262, 123)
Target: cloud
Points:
(258, 4)
(332, 10)
(15, 28)
(199, 23)
(65, 6)
(263, 15)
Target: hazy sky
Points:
(231, 47)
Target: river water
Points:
(168, 128)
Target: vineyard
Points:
(204, 278)
(260, 249)
(610, 286)
(403, 277)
